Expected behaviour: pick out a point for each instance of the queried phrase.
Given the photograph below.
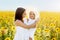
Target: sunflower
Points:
(47, 30)
(46, 24)
(4, 30)
(38, 30)
(53, 38)
(12, 28)
(8, 38)
(57, 29)
(52, 25)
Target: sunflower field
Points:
(7, 27)
(48, 28)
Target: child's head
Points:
(32, 15)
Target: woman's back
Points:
(20, 33)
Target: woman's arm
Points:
(20, 23)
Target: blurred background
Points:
(45, 5)
(48, 28)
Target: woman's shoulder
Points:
(17, 22)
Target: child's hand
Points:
(37, 20)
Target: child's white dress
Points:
(32, 30)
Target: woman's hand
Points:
(30, 38)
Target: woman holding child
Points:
(21, 27)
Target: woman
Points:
(20, 26)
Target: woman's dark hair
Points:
(18, 14)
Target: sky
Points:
(41, 5)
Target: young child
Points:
(29, 21)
